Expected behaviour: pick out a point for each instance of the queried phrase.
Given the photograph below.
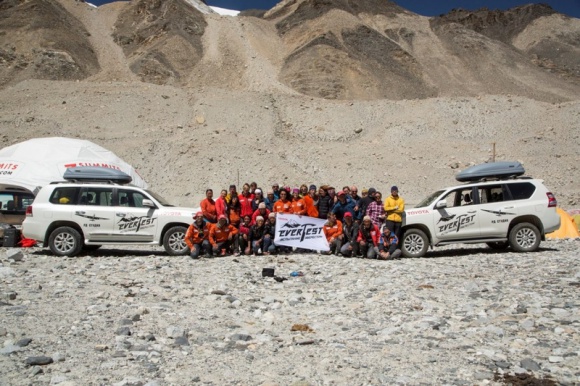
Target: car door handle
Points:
(471, 211)
(508, 207)
(121, 214)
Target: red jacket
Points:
(246, 205)
(375, 233)
(221, 206)
(257, 213)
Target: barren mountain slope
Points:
(183, 142)
(551, 40)
(161, 39)
(99, 23)
(553, 43)
(40, 39)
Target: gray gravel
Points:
(138, 317)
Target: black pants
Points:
(395, 227)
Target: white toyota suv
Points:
(501, 210)
(75, 215)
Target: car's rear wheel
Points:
(499, 245)
(415, 243)
(524, 237)
(65, 241)
(174, 241)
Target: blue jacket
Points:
(339, 209)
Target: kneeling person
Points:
(197, 236)
(388, 245)
(221, 237)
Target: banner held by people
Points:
(301, 232)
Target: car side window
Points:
(94, 196)
(458, 197)
(64, 196)
(491, 193)
(521, 190)
(131, 198)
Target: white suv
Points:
(503, 213)
(72, 216)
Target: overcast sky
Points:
(422, 7)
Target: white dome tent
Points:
(37, 162)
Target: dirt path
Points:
(100, 22)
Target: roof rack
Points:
(81, 181)
(96, 174)
(500, 178)
(492, 170)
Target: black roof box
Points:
(94, 173)
(492, 170)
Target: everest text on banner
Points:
(301, 232)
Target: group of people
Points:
(245, 223)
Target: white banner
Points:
(301, 232)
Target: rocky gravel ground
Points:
(460, 316)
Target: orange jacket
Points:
(218, 235)
(332, 231)
(208, 209)
(282, 207)
(192, 235)
(311, 209)
(298, 206)
(234, 216)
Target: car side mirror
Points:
(441, 204)
(148, 203)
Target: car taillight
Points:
(552, 203)
(29, 210)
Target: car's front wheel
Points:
(174, 241)
(65, 241)
(524, 237)
(415, 243)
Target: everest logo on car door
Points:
(134, 222)
(459, 219)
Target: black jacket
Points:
(325, 203)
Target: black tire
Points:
(91, 247)
(525, 237)
(499, 245)
(174, 241)
(415, 243)
(65, 241)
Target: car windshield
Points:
(160, 199)
(429, 199)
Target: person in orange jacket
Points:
(298, 206)
(221, 205)
(208, 207)
(368, 238)
(283, 205)
(394, 209)
(222, 237)
(333, 231)
(311, 202)
(197, 236)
